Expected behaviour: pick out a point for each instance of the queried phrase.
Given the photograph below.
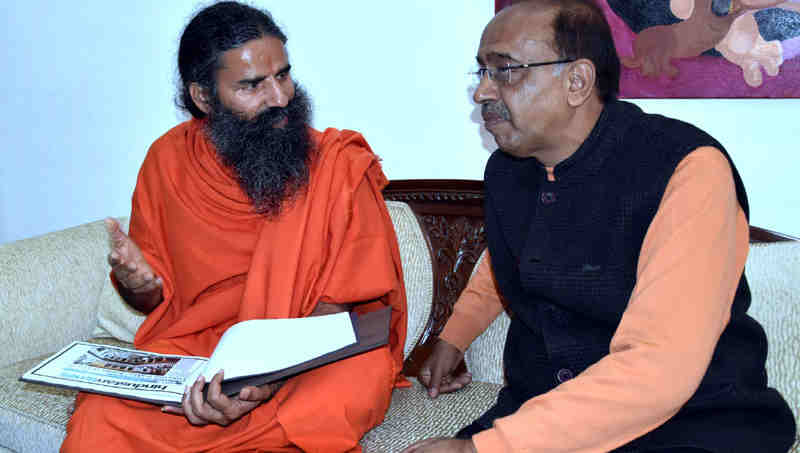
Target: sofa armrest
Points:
(49, 286)
(773, 272)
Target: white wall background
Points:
(86, 86)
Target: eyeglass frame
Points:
(492, 73)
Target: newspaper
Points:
(250, 348)
(122, 372)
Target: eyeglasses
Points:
(503, 75)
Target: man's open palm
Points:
(127, 262)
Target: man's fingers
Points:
(416, 446)
(111, 225)
(215, 398)
(134, 279)
(457, 383)
(188, 410)
(177, 410)
(145, 283)
(256, 394)
(203, 408)
(115, 235)
(425, 377)
(435, 380)
(123, 249)
(150, 285)
(114, 259)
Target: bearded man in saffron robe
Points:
(246, 212)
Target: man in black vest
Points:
(617, 240)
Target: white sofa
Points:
(55, 289)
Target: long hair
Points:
(211, 32)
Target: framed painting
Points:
(705, 48)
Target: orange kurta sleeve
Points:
(689, 267)
(477, 306)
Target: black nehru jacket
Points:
(565, 253)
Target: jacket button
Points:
(547, 197)
(564, 375)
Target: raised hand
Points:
(140, 287)
(437, 372)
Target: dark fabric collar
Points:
(603, 140)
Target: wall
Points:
(88, 85)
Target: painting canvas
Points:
(705, 48)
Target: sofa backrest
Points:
(53, 281)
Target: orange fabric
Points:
(221, 264)
(664, 343)
(477, 306)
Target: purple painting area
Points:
(703, 76)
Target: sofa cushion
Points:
(414, 416)
(33, 417)
(117, 320)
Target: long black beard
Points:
(271, 163)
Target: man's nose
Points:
(486, 91)
(277, 94)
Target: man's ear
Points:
(580, 82)
(200, 97)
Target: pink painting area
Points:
(705, 76)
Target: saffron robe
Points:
(221, 263)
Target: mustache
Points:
(497, 108)
(273, 115)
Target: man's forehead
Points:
(520, 50)
(266, 49)
(517, 37)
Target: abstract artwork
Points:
(705, 48)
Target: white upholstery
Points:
(417, 270)
(414, 416)
(48, 290)
(773, 273)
